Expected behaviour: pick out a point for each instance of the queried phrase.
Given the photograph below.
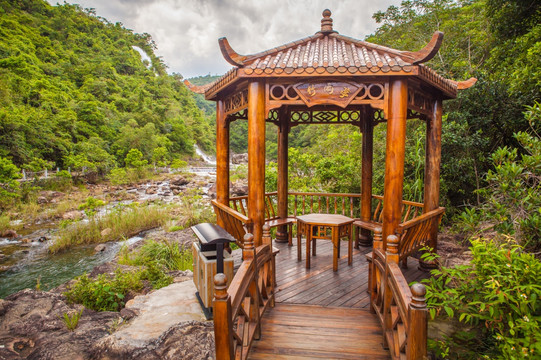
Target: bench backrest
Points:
(415, 234)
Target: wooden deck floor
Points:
(321, 314)
(319, 285)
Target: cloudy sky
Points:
(187, 31)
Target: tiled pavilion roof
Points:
(328, 52)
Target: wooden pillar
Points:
(367, 129)
(394, 156)
(432, 170)
(222, 155)
(283, 132)
(256, 158)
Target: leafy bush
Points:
(497, 299)
(118, 176)
(104, 293)
(513, 194)
(90, 205)
(9, 186)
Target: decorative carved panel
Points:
(236, 102)
(329, 92)
(419, 103)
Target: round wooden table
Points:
(324, 226)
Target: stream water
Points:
(36, 262)
(28, 262)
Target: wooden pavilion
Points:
(328, 78)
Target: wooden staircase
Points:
(292, 331)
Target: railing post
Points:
(418, 324)
(249, 253)
(267, 240)
(223, 322)
(373, 273)
(391, 256)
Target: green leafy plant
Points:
(105, 293)
(118, 176)
(496, 299)
(71, 321)
(90, 205)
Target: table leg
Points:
(350, 245)
(299, 238)
(336, 246)
(308, 242)
(313, 244)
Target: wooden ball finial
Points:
(418, 292)
(392, 244)
(220, 286)
(326, 22)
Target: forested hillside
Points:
(74, 92)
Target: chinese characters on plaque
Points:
(325, 92)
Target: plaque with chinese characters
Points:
(327, 92)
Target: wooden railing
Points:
(239, 308)
(344, 204)
(400, 309)
(300, 203)
(235, 223)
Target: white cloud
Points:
(187, 31)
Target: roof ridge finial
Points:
(326, 22)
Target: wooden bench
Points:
(413, 234)
(240, 204)
(410, 210)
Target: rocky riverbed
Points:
(163, 324)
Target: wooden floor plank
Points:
(322, 314)
(292, 331)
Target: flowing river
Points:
(30, 263)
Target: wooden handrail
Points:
(310, 202)
(401, 310)
(234, 222)
(238, 309)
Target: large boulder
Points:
(180, 181)
(239, 158)
(239, 188)
(31, 327)
(165, 324)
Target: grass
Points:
(164, 253)
(122, 222)
(71, 321)
(4, 223)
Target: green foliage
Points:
(162, 253)
(179, 164)
(118, 176)
(497, 298)
(512, 198)
(134, 159)
(9, 186)
(73, 92)
(90, 205)
(71, 321)
(105, 293)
